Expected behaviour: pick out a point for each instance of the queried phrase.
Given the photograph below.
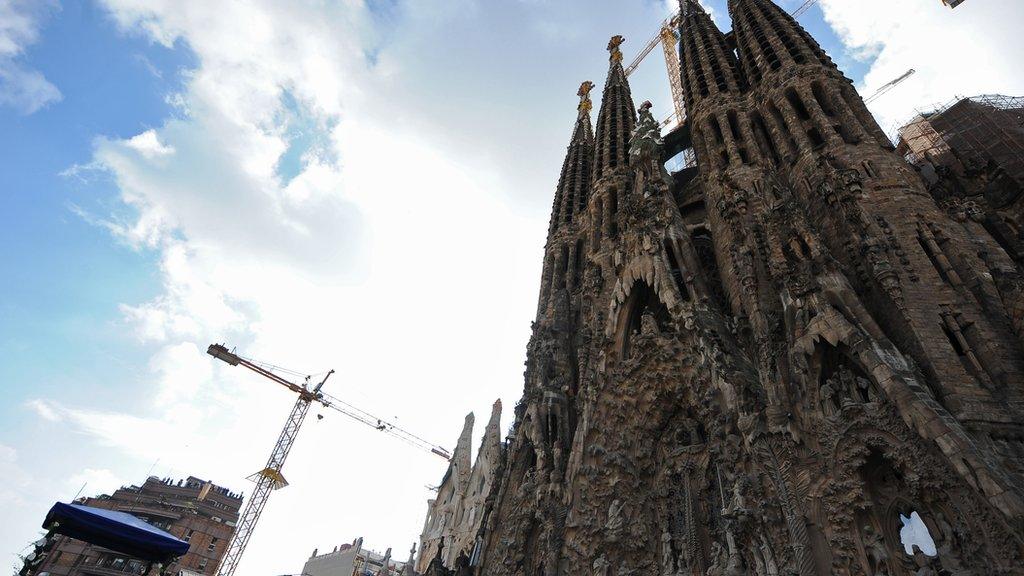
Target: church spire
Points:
(617, 116)
(829, 110)
(769, 39)
(708, 66)
(574, 183)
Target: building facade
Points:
(199, 512)
(455, 515)
(765, 363)
(354, 560)
(971, 155)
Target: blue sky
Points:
(363, 187)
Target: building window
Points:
(212, 546)
(202, 564)
(188, 535)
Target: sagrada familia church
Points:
(763, 363)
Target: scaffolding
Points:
(969, 134)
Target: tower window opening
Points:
(598, 222)
(869, 169)
(581, 199)
(716, 129)
(854, 103)
(698, 70)
(844, 134)
(779, 26)
(815, 137)
(745, 54)
(954, 342)
(552, 421)
(764, 137)
(677, 273)
(548, 278)
(934, 259)
(704, 246)
(780, 122)
(716, 69)
(563, 266)
(613, 128)
(823, 101)
(613, 211)
(577, 265)
(798, 104)
(734, 125)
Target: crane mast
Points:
(675, 80)
(267, 480)
(271, 478)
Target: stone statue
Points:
(668, 561)
(615, 519)
(648, 325)
(770, 566)
(613, 47)
(925, 565)
(829, 398)
(584, 94)
(585, 88)
(874, 549)
(718, 560)
(864, 389)
(601, 566)
(644, 145)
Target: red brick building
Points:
(199, 512)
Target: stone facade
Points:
(760, 364)
(454, 517)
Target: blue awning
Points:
(115, 530)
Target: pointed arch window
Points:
(676, 270)
(642, 301)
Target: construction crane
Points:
(803, 8)
(889, 86)
(668, 37)
(270, 478)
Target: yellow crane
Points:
(668, 36)
(271, 478)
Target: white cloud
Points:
(43, 410)
(974, 49)
(92, 481)
(23, 88)
(148, 145)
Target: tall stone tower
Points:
(762, 364)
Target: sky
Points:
(363, 186)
